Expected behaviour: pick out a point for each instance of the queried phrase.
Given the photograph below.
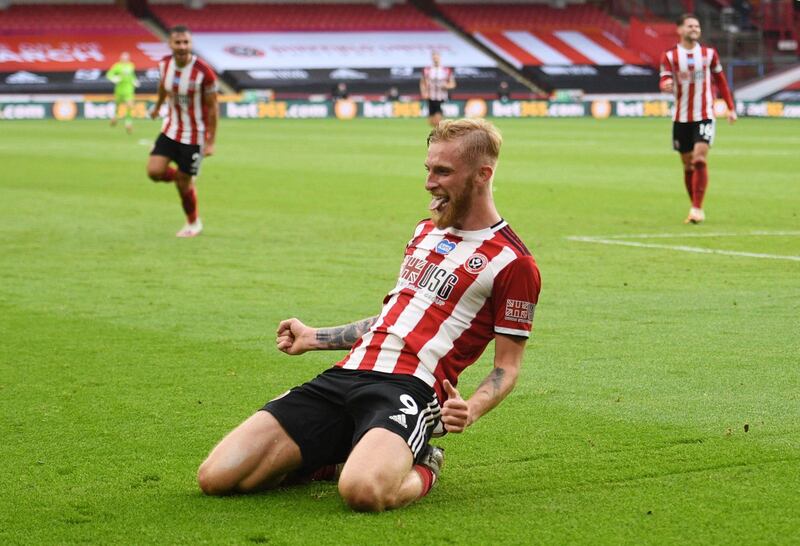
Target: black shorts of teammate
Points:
(187, 156)
(328, 415)
(685, 135)
(434, 107)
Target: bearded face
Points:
(454, 183)
(690, 29)
(181, 45)
(450, 207)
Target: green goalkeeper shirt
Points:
(124, 76)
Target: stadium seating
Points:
(67, 19)
(293, 17)
(499, 17)
(534, 35)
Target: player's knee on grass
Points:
(212, 482)
(365, 493)
(362, 496)
(216, 484)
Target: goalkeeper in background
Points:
(123, 75)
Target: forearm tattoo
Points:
(343, 337)
(493, 383)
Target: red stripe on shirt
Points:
(479, 331)
(690, 94)
(169, 110)
(192, 94)
(706, 85)
(508, 234)
(428, 227)
(176, 103)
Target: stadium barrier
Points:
(66, 109)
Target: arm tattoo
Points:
(493, 382)
(343, 337)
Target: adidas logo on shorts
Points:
(399, 419)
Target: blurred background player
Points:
(392, 95)
(123, 75)
(503, 91)
(340, 92)
(434, 85)
(686, 71)
(189, 87)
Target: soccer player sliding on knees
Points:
(466, 279)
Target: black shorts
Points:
(685, 135)
(187, 156)
(434, 107)
(328, 415)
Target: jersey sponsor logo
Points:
(411, 269)
(428, 279)
(476, 263)
(399, 419)
(445, 247)
(691, 76)
(181, 100)
(519, 311)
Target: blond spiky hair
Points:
(480, 140)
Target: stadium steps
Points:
(513, 34)
(240, 17)
(429, 8)
(67, 19)
(768, 85)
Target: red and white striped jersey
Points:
(455, 291)
(690, 70)
(186, 87)
(436, 78)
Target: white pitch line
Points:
(683, 248)
(695, 235)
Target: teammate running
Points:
(434, 85)
(466, 278)
(686, 71)
(189, 87)
(123, 75)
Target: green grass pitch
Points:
(659, 400)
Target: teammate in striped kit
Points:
(466, 279)
(189, 87)
(686, 71)
(434, 86)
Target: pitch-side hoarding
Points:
(69, 109)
